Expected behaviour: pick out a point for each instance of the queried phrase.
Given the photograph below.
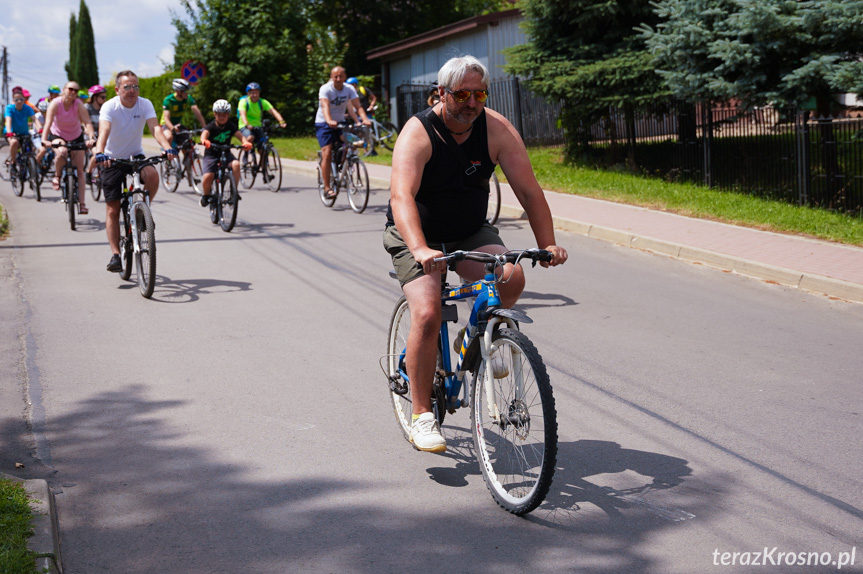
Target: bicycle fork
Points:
(487, 348)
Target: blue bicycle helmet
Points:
(253, 86)
(352, 80)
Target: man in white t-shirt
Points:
(333, 98)
(121, 129)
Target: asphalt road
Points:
(239, 422)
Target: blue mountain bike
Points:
(513, 419)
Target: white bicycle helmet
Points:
(180, 85)
(222, 106)
(42, 106)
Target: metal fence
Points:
(533, 117)
(809, 161)
(816, 162)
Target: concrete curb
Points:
(46, 532)
(811, 282)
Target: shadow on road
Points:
(146, 499)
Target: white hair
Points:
(454, 71)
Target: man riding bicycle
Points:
(16, 118)
(121, 132)
(442, 163)
(334, 98)
(367, 100)
(174, 105)
(220, 131)
(98, 95)
(251, 111)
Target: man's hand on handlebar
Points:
(559, 255)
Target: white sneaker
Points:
(425, 434)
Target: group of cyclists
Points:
(441, 166)
(65, 116)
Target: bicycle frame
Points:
(482, 321)
(129, 203)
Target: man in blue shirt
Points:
(16, 117)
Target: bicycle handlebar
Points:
(512, 256)
(139, 164)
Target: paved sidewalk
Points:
(819, 266)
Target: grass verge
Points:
(4, 223)
(15, 529)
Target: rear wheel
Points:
(145, 258)
(228, 199)
(5, 165)
(399, 387)
(274, 169)
(33, 177)
(248, 161)
(358, 185)
(327, 201)
(169, 170)
(514, 423)
(71, 183)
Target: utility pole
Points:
(4, 90)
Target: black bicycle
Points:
(138, 236)
(269, 165)
(224, 197)
(69, 184)
(187, 166)
(25, 170)
(347, 171)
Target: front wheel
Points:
(96, 183)
(71, 183)
(387, 134)
(126, 246)
(169, 170)
(145, 258)
(274, 169)
(514, 423)
(227, 199)
(33, 176)
(358, 186)
(16, 178)
(493, 211)
(194, 171)
(248, 171)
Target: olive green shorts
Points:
(406, 265)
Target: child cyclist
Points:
(220, 131)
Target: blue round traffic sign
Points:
(193, 71)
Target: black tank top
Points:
(451, 204)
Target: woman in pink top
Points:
(64, 120)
